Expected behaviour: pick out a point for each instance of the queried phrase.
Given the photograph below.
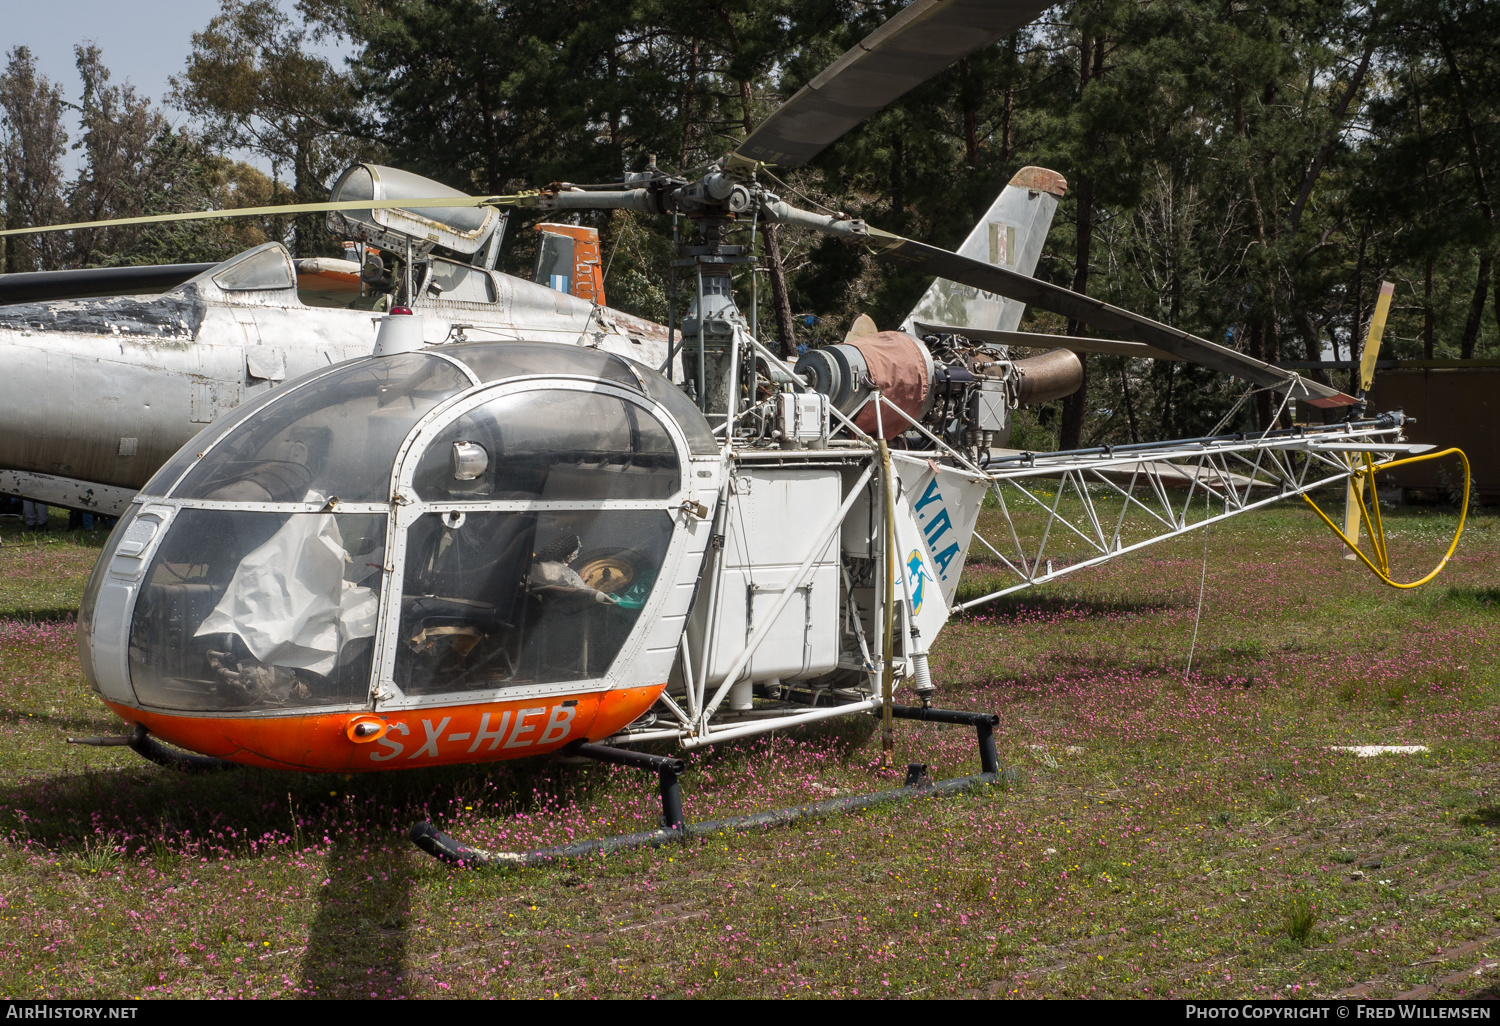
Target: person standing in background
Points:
(34, 514)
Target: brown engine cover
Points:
(898, 366)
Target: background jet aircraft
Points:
(101, 388)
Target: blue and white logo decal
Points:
(917, 576)
(935, 526)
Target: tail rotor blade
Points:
(1372, 341)
(1354, 500)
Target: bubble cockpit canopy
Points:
(535, 485)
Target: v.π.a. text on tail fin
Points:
(1010, 235)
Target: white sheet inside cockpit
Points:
(289, 602)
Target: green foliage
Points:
(133, 161)
(255, 84)
(1300, 917)
(1247, 173)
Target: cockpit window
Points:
(461, 283)
(554, 263)
(551, 444)
(336, 437)
(244, 610)
(267, 268)
(494, 600)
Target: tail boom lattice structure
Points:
(1063, 512)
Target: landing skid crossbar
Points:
(676, 829)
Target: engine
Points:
(961, 391)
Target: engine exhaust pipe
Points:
(1051, 375)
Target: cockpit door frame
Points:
(407, 508)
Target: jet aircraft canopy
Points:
(266, 567)
(464, 230)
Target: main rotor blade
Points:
(1122, 323)
(906, 51)
(1035, 340)
(290, 208)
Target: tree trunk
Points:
(1090, 64)
(898, 190)
(971, 139)
(1482, 193)
(1166, 404)
(612, 116)
(779, 298)
(1294, 220)
(687, 107)
(1427, 312)
(1075, 405)
(971, 132)
(1476, 309)
(1257, 347)
(1005, 112)
(1497, 293)
(1135, 431)
(1359, 309)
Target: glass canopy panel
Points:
(335, 437)
(161, 482)
(267, 268)
(491, 600)
(246, 610)
(550, 445)
(462, 283)
(494, 361)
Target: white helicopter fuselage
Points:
(98, 393)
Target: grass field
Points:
(1158, 834)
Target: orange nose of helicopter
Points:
(470, 554)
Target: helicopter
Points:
(112, 369)
(457, 552)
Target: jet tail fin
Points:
(1010, 235)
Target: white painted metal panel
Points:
(765, 541)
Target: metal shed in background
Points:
(1456, 403)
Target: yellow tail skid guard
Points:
(1371, 517)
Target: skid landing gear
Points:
(675, 828)
(143, 744)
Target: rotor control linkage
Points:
(438, 844)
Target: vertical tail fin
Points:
(1011, 235)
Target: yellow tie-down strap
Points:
(1371, 516)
